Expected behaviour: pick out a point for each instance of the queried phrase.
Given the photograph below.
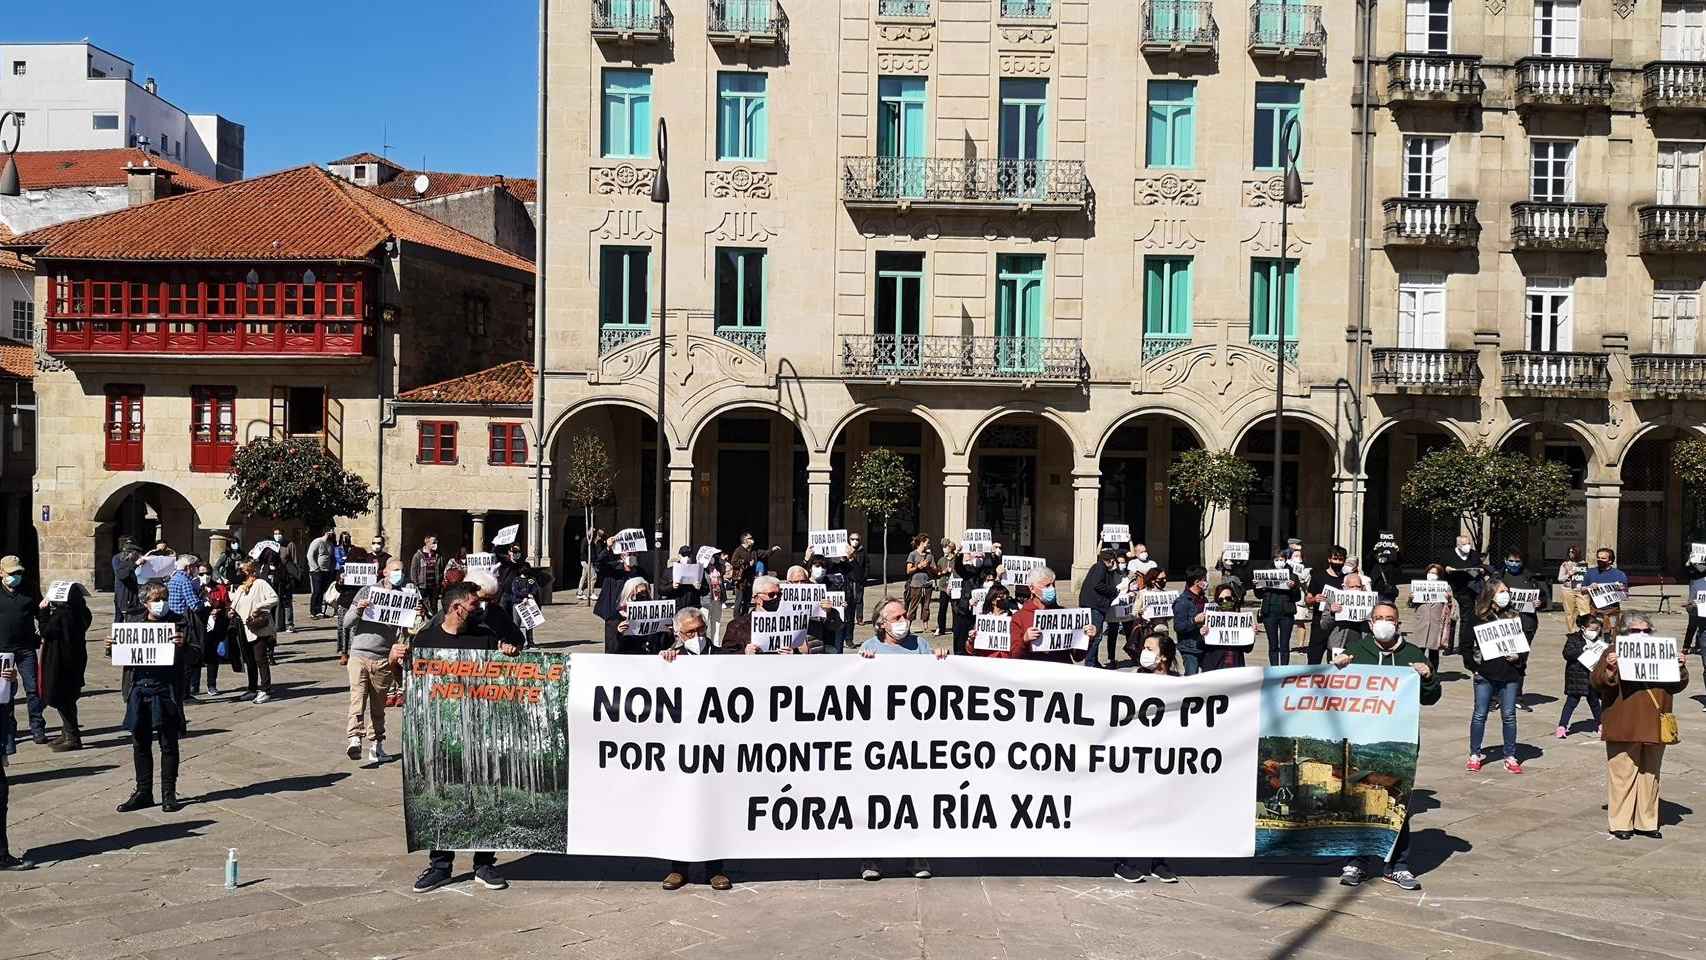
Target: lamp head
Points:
(660, 182)
(1293, 185)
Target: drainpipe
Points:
(539, 492)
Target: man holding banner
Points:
(369, 665)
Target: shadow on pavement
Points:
(1431, 848)
(84, 847)
(1291, 894)
(318, 781)
(1671, 813)
(59, 773)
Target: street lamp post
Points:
(1293, 193)
(660, 196)
(9, 172)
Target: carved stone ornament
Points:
(1204, 375)
(625, 225)
(1016, 64)
(1034, 229)
(743, 182)
(913, 227)
(1170, 233)
(1265, 238)
(623, 179)
(1028, 36)
(1495, 7)
(915, 62)
(1169, 189)
(1269, 191)
(740, 226)
(1623, 7)
(697, 362)
(905, 32)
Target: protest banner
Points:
(1116, 533)
(1608, 594)
(1236, 551)
(1501, 638)
(992, 631)
(1157, 604)
(647, 617)
(1429, 591)
(1018, 569)
(528, 616)
(829, 543)
(60, 591)
(393, 608)
(1270, 579)
(784, 628)
(1121, 612)
(144, 644)
(482, 563)
(1591, 652)
(156, 568)
(1696, 553)
(806, 598)
(1648, 659)
(1355, 605)
(706, 555)
(1525, 601)
(506, 536)
(361, 574)
(689, 573)
(1061, 630)
(1224, 628)
(485, 751)
(976, 540)
(630, 540)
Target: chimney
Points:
(148, 183)
(151, 86)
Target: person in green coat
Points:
(1384, 646)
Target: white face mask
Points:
(1432, 575)
(1463, 549)
(1279, 563)
(1383, 629)
(1148, 659)
(1143, 556)
(1590, 633)
(898, 629)
(695, 644)
(817, 573)
(1501, 599)
(157, 608)
(1348, 569)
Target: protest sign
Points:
(976, 540)
(1224, 628)
(1700, 604)
(1157, 604)
(528, 616)
(1236, 551)
(1591, 652)
(393, 608)
(993, 631)
(7, 691)
(956, 586)
(1525, 601)
(506, 536)
(60, 591)
(1018, 569)
(1116, 533)
(689, 573)
(829, 543)
(1121, 612)
(1270, 579)
(1501, 638)
(647, 617)
(156, 568)
(262, 547)
(1696, 553)
(1429, 591)
(1648, 659)
(839, 599)
(706, 555)
(784, 628)
(1329, 596)
(361, 574)
(1608, 594)
(977, 597)
(1355, 605)
(144, 644)
(1061, 630)
(804, 598)
(630, 540)
(482, 563)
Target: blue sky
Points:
(450, 79)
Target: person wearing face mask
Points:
(1436, 623)
(823, 633)
(1384, 646)
(767, 597)
(1145, 563)
(1515, 577)
(369, 664)
(1466, 573)
(743, 568)
(64, 662)
(1495, 679)
(288, 574)
(222, 637)
(153, 710)
(1695, 576)
(894, 636)
(1570, 595)
(692, 639)
(186, 600)
(857, 569)
(1578, 685)
(1605, 571)
(1156, 656)
(1101, 585)
(1217, 657)
(1632, 726)
(1043, 596)
(1278, 610)
(1345, 632)
(686, 589)
(1321, 618)
(18, 637)
(1189, 613)
(614, 572)
(252, 606)
(619, 635)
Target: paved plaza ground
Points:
(1514, 866)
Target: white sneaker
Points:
(263, 697)
(354, 750)
(377, 754)
(214, 692)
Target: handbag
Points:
(1669, 731)
(331, 594)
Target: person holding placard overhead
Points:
(152, 710)
(1279, 608)
(1436, 620)
(1636, 724)
(1578, 678)
(1497, 678)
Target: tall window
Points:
(1550, 314)
(1275, 104)
(506, 445)
(1427, 26)
(23, 320)
(740, 287)
(123, 426)
(213, 428)
(623, 286)
(1172, 124)
(1421, 311)
(1682, 30)
(900, 294)
(1552, 170)
(437, 442)
(1557, 28)
(1265, 306)
(1019, 307)
(1167, 296)
(1024, 119)
(1679, 174)
(627, 113)
(741, 121)
(1427, 167)
(900, 136)
(1676, 318)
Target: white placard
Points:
(1061, 630)
(839, 599)
(1157, 604)
(806, 598)
(784, 628)
(706, 555)
(1236, 551)
(482, 563)
(649, 616)
(1645, 658)
(631, 540)
(1697, 553)
(956, 585)
(265, 545)
(1525, 601)
(392, 608)
(1501, 638)
(1608, 594)
(1591, 652)
(506, 536)
(977, 597)
(1224, 628)
(1270, 579)
(1120, 612)
(689, 573)
(829, 543)
(361, 574)
(528, 616)
(1700, 604)
(993, 632)
(1116, 533)
(7, 692)
(1329, 596)
(60, 591)
(144, 644)
(156, 568)
(1019, 569)
(1429, 591)
(1355, 605)
(976, 540)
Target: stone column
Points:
(956, 489)
(479, 537)
(1086, 502)
(1602, 499)
(1220, 531)
(1348, 498)
(218, 541)
(680, 506)
(817, 489)
(544, 510)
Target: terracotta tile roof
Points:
(363, 157)
(18, 362)
(48, 169)
(508, 383)
(8, 259)
(526, 189)
(401, 188)
(303, 213)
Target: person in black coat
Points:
(614, 570)
(124, 577)
(1101, 585)
(1385, 576)
(64, 661)
(1467, 574)
(1332, 575)
(1516, 578)
(1577, 678)
(154, 710)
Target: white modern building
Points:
(76, 96)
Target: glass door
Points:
(900, 136)
(1018, 313)
(1024, 138)
(900, 300)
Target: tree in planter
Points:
(1486, 490)
(880, 484)
(589, 480)
(1211, 481)
(295, 479)
(1688, 459)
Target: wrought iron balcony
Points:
(904, 9)
(614, 338)
(631, 21)
(1427, 222)
(1286, 30)
(1434, 78)
(1027, 9)
(1667, 375)
(1161, 344)
(1180, 27)
(914, 357)
(1562, 83)
(1672, 86)
(1539, 225)
(272, 336)
(1269, 344)
(1418, 370)
(1556, 374)
(749, 339)
(1673, 229)
(943, 183)
(756, 23)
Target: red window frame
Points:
(436, 442)
(506, 445)
(213, 429)
(123, 426)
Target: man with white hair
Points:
(766, 598)
(1024, 630)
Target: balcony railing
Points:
(906, 9)
(283, 337)
(614, 338)
(1027, 9)
(1180, 26)
(1286, 30)
(1439, 77)
(1559, 374)
(1426, 222)
(897, 181)
(1563, 82)
(1668, 374)
(746, 338)
(1539, 225)
(1268, 344)
(631, 21)
(1161, 344)
(1673, 229)
(1673, 85)
(917, 357)
(1427, 371)
(759, 23)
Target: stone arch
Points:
(554, 430)
(1027, 407)
(1304, 414)
(1598, 463)
(1150, 410)
(1450, 427)
(705, 418)
(122, 507)
(890, 405)
(1650, 426)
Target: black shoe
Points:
(431, 879)
(140, 799)
(1653, 834)
(490, 878)
(1622, 834)
(169, 800)
(9, 862)
(39, 736)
